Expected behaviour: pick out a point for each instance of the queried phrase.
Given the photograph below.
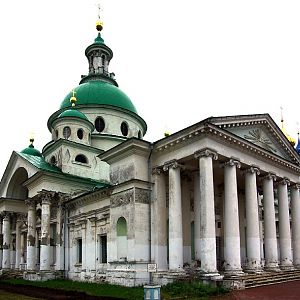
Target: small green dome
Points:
(97, 92)
(73, 113)
(30, 150)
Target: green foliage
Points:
(185, 290)
(193, 289)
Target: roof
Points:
(30, 150)
(73, 113)
(40, 163)
(98, 92)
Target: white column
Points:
(295, 210)
(159, 219)
(45, 234)
(208, 255)
(22, 259)
(175, 217)
(252, 221)
(59, 260)
(1, 241)
(197, 217)
(84, 253)
(18, 240)
(6, 241)
(31, 235)
(285, 244)
(270, 237)
(232, 255)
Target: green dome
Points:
(98, 92)
(74, 113)
(30, 150)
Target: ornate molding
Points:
(31, 203)
(207, 152)
(233, 162)
(142, 196)
(270, 176)
(284, 181)
(172, 164)
(121, 199)
(252, 170)
(295, 186)
(157, 170)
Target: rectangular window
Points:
(103, 248)
(79, 251)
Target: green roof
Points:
(30, 150)
(97, 92)
(40, 163)
(73, 113)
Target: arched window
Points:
(66, 132)
(53, 160)
(80, 134)
(140, 136)
(122, 239)
(124, 128)
(81, 158)
(99, 124)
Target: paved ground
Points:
(283, 291)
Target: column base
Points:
(250, 270)
(234, 273)
(272, 268)
(287, 268)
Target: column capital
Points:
(157, 170)
(252, 170)
(284, 181)
(6, 215)
(232, 162)
(270, 176)
(295, 185)
(21, 217)
(172, 164)
(31, 203)
(206, 152)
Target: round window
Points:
(124, 128)
(80, 133)
(67, 132)
(99, 124)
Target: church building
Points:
(100, 203)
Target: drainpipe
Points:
(150, 202)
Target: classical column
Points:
(6, 241)
(84, 253)
(18, 240)
(252, 221)
(1, 240)
(31, 235)
(270, 237)
(59, 260)
(175, 217)
(22, 260)
(197, 217)
(208, 255)
(159, 219)
(295, 210)
(232, 255)
(286, 261)
(45, 233)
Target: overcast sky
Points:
(178, 61)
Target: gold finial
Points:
(31, 139)
(99, 23)
(73, 99)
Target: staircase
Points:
(267, 278)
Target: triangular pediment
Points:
(260, 130)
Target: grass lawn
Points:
(10, 296)
(193, 290)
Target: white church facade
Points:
(99, 203)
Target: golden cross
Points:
(73, 92)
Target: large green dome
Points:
(97, 92)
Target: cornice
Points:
(226, 137)
(88, 198)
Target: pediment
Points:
(260, 130)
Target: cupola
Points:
(30, 150)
